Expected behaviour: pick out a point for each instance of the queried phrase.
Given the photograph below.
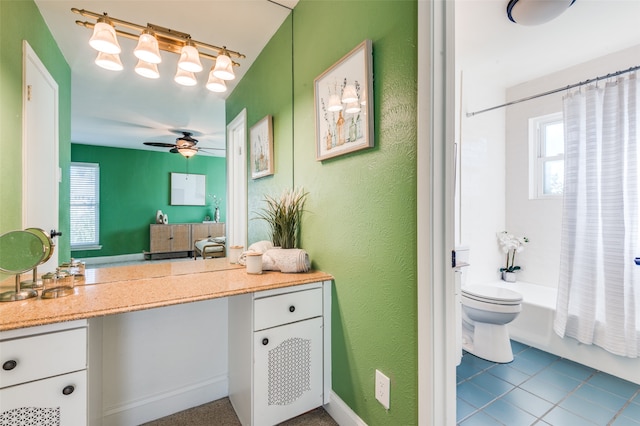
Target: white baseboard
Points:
(164, 404)
(341, 412)
(113, 259)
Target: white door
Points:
(436, 289)
(237, 181)
(40, 166)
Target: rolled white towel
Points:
(289, 260)
(257, 247)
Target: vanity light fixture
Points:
(185, 78)
(349, 95)
(151, 40)
(109, 61)
(216, 84)
(147, 48)
(104, 37)
(147, 69)
(352, 108)
(335, 104)
(190, 59)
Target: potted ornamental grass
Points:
(510, 245)
(283, 216)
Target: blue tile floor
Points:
(538, 388)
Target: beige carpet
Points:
(220, 413)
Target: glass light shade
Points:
(349, 94)
(185, 78)
(147, 70)
(188, 152)
(190, 59)
(109, 62)
(334, 103)
(147, 48)
(216, 84)
(104, 39)
(224, 68)
(536, 12)
(352, 108)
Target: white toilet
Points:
(486, 311)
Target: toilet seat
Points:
(491, 294)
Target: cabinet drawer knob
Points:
(265, 341)
(68, 390)
(9, 365)
(292, 308)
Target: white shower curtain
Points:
(599, 288)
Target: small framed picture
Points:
(344, 104)
(261, 139)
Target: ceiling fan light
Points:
(334, 104)
(185, 78)
(109, 61)
(216, 84)
(536, 12)
(224, 67)
(147, 69)
(147, 48)
(104, 38)
(190, 59)
(188, 152)
(349, 95)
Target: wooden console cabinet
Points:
(175, 239)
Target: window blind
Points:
(85, 205)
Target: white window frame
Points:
(536, 158)
(94, 245)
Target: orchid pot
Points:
(509, 277)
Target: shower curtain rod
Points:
(551, 92)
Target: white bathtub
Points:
(534, 327)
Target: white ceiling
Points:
(491, 45)
(122, 109)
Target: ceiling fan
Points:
(185, 145)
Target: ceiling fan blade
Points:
(174, 150)
(160, 144)
(203, 148)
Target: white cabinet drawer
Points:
(45, 355)
(60, 400)
(287, 308)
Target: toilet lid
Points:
(492, 294)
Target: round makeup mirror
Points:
(20, 251)
(49, 246)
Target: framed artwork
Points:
(261, 138)
(344, 104)
(187, 189)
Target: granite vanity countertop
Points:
(114, 290)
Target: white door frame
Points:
(436, 297)
(237, 180)
(41, 173)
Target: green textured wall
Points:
(134, 184)
(21, 20)
(361, 220)
(266, 89)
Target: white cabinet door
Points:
(288, 371)
(57, 401)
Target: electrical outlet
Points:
(383, 386)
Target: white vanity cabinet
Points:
(279, 352)
(43, 378)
